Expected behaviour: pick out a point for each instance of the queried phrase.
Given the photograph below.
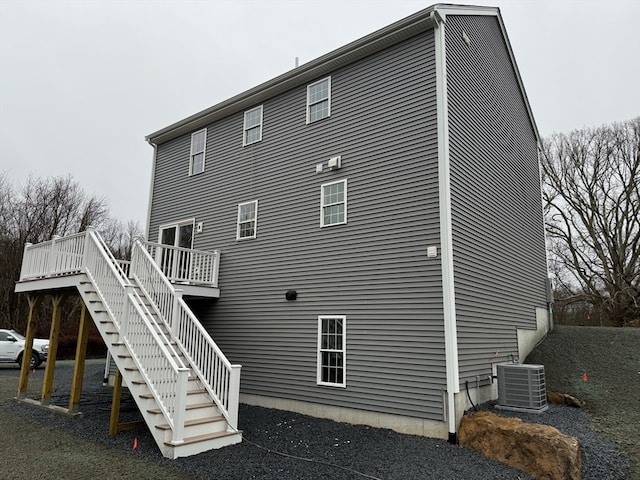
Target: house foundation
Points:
(399, 423)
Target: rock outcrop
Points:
(564, 399)
(540, 450)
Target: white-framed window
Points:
(198, 147)
(247, 220)
(252, 126)
(333, 203)
(332, 350)
(319, 100)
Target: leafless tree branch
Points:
(592, 205)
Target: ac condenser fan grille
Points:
(522, 387)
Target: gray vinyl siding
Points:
(374, 269)
(498, 237)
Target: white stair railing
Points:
(164, 373)
(218, 375)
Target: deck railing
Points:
(218, 375)
(184, 265)
(58, 256)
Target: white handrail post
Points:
(124, 322)
(175, 314)
(87, 240)
(216, 268)
(174, 264)
(234, 395)
(180, 414)
(26, 267)
(133, 266)
(51, 267)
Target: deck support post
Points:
(115, 404)
(81, 356)
(54, 335)
(34, 303)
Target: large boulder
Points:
(540, 450)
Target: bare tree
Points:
(592, 200)
(34, 212)
(44, 207)
(119, 237)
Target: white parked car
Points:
(12, 348)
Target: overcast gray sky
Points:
(82, 82)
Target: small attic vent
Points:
(522, 387)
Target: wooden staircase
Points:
(184, 387)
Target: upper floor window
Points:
(333, 203)
(319, 100)
(332, 350)
(247, 220)
(198, 144)
(252, 126)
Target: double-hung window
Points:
(198, 147)
(252, 126)
(333, 203)
(332, 350)
(319, 100)
(247, 220)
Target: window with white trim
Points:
(247, 220)
(332, 350)
(319, 100)
(333, 203)
(198, 147)
(252, 126)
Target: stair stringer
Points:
(200, 434)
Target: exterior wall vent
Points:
(522, 387)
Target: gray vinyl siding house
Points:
(436, 270)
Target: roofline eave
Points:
(306, 73)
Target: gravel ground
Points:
(277, 445)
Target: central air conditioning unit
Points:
(522, 388)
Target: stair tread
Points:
(197, 421)
(202, 438)
(188, 407)
(189, 392)
(196, 392)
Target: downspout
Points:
(446, 241)
(549, 284)
(153, 175)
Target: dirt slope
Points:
(610, 358)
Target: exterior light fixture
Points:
(291, 295)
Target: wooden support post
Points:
(81, 356)
(47, 384)
(34, 303)
(115, 404)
